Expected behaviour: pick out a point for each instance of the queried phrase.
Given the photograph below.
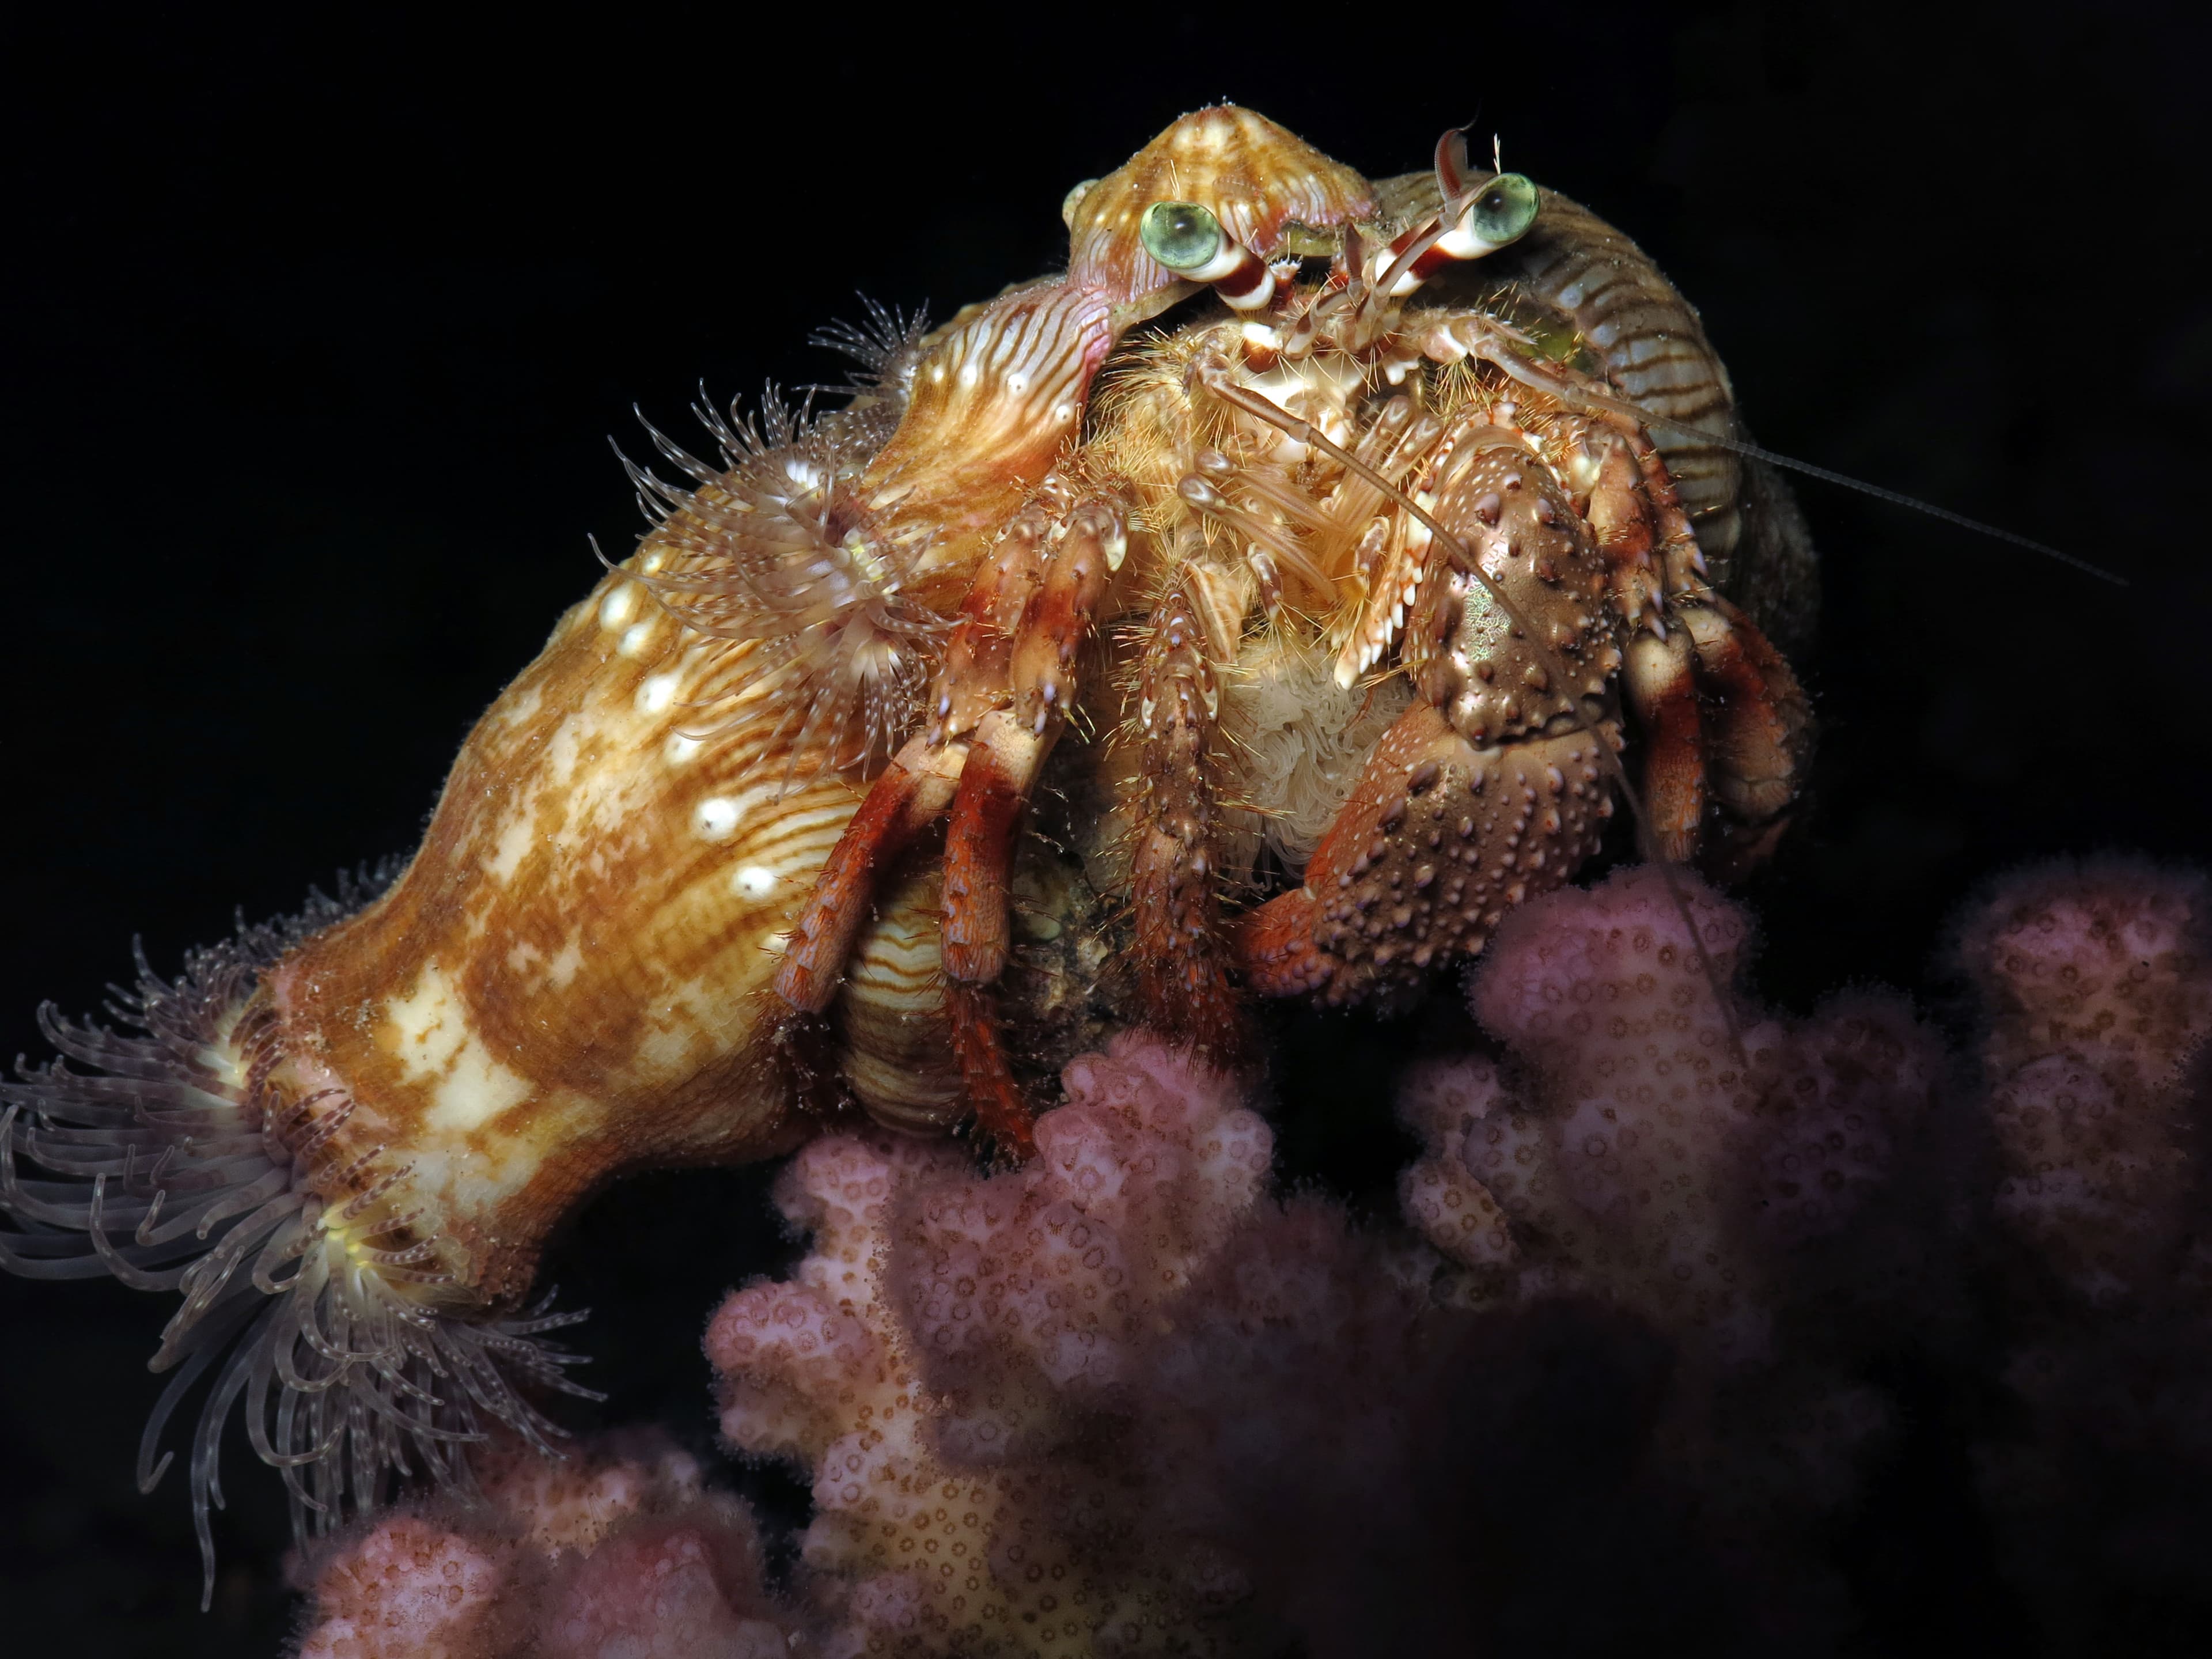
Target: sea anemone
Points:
(773, 553)
(179, 1168)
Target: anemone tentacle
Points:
(179, 1169)
(771, 552)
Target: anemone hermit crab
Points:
(1439, 535)
(1321, 605)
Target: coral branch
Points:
(2097, 983)
(1648, 1159)
(620, 1553)
(1672, 1324)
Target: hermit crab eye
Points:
(1504, 210)
(1181, 235)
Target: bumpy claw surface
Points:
(1439, 840)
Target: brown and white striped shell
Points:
(1604, 295)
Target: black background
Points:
(313, 335)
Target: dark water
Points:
(310, 344)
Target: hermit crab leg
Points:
(1008, 752)
(1726, 714)
(1753, 726)
(1659, 668)
(912, 793)
(1008, 682)
(1753, 733)
(1661, 680)
(1180, 966)
(923, 779)
(1010, 745)
(1003, 1117)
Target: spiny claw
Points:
(1438, 839)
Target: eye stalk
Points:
(1183, 236)
(1188, 240)
(1496, 213)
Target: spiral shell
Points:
(346, 1140)
(1601, 293)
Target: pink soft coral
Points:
(1624, 1379)
(1122, 1400)
(617, 1554)
(1660, 1142)
(944, 1359)
(2099, 983)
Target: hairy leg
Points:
(1180, 954)
(999, 703)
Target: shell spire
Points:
(1256, 179)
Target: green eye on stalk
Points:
(1181, 235)
(1504, 210)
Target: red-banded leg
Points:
(1658, 674)
(1758, 734)
(912, 792)
(1753, 719)
(1006, 689)
(923, 778)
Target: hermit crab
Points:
(1332, 555)
(1458, 510)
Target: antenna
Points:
(1894, 497)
